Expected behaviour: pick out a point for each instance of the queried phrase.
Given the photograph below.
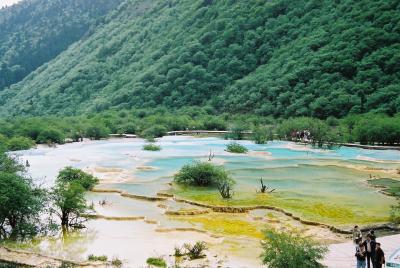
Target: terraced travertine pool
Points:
(324, 186)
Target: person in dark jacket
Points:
(370, 247)
(372, 234)
(379, 256)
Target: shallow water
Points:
(319, 179)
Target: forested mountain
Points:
(279, 57)
(35, 31)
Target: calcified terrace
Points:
(320, 193)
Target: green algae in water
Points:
(390, 186)
(343, 212)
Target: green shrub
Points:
(50, 136)
(262, 135)
(395, 213)
(19, 143)
(159, 262)
(225, 189)
(237, 148)
(151, 147)
(236, 132)
(291, 250)
(196, 251)
(202, 174)
(214, 123)
(155, 131)
(97, 132)
(129, 128)
(92, 257)
(70, 174)
(178, 252)
(116, 262)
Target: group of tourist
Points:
(304, 135)
(368, 252)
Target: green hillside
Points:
(279, 57)
(34, 32)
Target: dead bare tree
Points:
(264, 188)
(211, 156)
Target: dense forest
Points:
(34, 32)
(24, 133)
(280, 58)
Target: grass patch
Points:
(196, 251)
(159, 262)
(92, 257)
(236, 148)
(116, 262)
(151, 147)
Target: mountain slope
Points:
(35, 31)
(286, 58)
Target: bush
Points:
(237, 148)
(70, 174)
(129, 128)
(92, 257)
(291, 250)
(50, 136)
(178, 252)
(151, 147)
(154, 132)
(196, 251)
(262, 135)
(116, 262)
(214, 123)
(19, 143)
(202, 174)
(395, 214)
(97, 132)
(236, 132)
(159, 262)
(225, 189)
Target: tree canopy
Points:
(280, 58)
(21, 201)
(34, 32)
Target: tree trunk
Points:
(64, 220)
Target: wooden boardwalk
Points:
(199, 132)
(342, 255)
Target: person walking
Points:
(357, 235)
(379, 256)
(361, 255)
(370, 247)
